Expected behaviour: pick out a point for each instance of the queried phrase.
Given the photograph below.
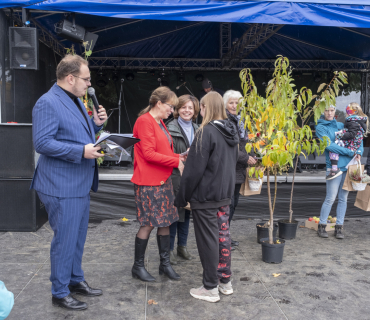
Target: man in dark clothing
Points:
(208, 87)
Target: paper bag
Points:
(363, 199)
(347, 185)
(244, 189)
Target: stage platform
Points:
(115, 198)
(319, 278)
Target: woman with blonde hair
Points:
(154, 161)
(208, 184)
(182, 129)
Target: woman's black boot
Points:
(164, 254)
(138, 269)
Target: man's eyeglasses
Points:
(85, 79)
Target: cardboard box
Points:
(314, 226)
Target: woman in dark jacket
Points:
(182, 129)
(231, 100)
(208, 184)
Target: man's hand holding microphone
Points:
(100, 116)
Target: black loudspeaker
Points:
(24, 48)
(18, 158)
(21, 208)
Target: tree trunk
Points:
(291, 192)
(271, 226)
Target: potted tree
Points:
(301, 136)
(271, 120)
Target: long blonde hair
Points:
(214, 110)
(355, 106)
(163, 94)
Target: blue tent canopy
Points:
(190, 29)
(339, 13)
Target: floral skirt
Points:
(154, 205)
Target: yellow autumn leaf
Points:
(276, 274)
(124, 219)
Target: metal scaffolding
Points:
(216, 64)
(250, 41)
(225, 38)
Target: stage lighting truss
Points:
(216, 64)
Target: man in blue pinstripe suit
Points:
(64, 134)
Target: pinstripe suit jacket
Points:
(59, 134)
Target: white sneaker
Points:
(206, 295)
(226, 288)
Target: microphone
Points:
(91, 93)
(178, 87)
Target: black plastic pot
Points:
(272, 253)
(287, 230)
(264, 232)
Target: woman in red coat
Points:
(154, 161)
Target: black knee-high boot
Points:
(138, 269)
(164, 254)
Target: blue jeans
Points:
(182, 229)
(334, 188)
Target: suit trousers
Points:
(211, 228)
(68, 218)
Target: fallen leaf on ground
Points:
(124, 219)
(302, 226)
(276, 274)
(151, 301)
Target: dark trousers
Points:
(69, 219)
(234, 201)
(211, 227)
(182, 230)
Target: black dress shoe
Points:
(234, 243)
(69, 303)
(84, 289)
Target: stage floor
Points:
(320, 278)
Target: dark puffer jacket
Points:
(243, 156)
(180, 145)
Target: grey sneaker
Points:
(226, 288)
(204, 294)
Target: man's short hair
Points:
(70, 64)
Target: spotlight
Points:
(115, 75)
(199, 77)
(181, 77)
(317, 77)
(101, 79)
(130, 77)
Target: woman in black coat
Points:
(182, 129)
(231, 100)
(208, 184)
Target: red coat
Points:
(154, 158)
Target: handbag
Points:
(363, 199)
(347, 185)
(245, 190)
